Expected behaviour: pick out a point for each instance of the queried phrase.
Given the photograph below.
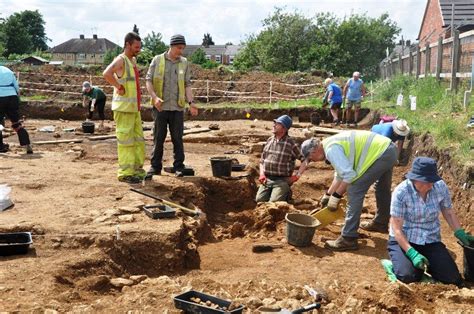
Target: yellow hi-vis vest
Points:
(128, 101)
(362, 148)
(159, 75)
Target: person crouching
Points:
(277, 163)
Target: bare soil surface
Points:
(96, 251)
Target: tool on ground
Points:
(318, 295)
(182, 208)
(326, 216)
(306, 308)
(234, 178)
(265, 247)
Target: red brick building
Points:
(439, 14)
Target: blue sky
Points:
(225, 20)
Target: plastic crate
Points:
(159, 211)
(183, 302)
(15, 243)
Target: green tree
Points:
(293, 42)
(198, 57)
(34, 24)
(17, 39)
(111, 54)
(152, 45)
(135, 29)
(23, 33)
(207, 40)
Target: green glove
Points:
(464, 237)
(418, 260)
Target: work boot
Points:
(152, 172)
(130, 179)
(371, 225)
(4, 148)
(342, 244)
(29, 149)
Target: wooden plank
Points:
(73, 140)
(195, 131)
(101, 137)
(319, 129)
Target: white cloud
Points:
(225, 20)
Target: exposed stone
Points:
(120, 282)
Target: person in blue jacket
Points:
(334, 98)
(9, 106)
(397, 131)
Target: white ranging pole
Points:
(271, 88)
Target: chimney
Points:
(94, 36)
(81, 36)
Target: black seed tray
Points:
(183, 302)
(15, 243)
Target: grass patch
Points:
(34, 97)
(439, 112)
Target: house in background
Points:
(223, 54)
(82, 51)
(439, 14)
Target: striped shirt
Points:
(420, 217)
(279, 156)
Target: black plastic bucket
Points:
(468, 261)
(221, 166)
(88, 127)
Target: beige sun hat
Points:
(400, 127)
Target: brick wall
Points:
(432, 26)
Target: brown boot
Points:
(373, 226)
(342, 244)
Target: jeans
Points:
(442, 266)
(175, 121)
(273, 190)
(380, 172)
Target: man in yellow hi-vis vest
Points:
(123, 75)
(169, 83)
(360, 158)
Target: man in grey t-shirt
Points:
(169, 83)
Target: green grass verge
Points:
(439, 112)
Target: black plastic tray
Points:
(186, 171)
(164, 211)
(15, 243)
(238, 167)
(183, 302)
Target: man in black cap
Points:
(169, 83)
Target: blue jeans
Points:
(381, 174)
(442, 266)
(175, 121)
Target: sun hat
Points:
(400, 127)
(424, 169)
(285, 121)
